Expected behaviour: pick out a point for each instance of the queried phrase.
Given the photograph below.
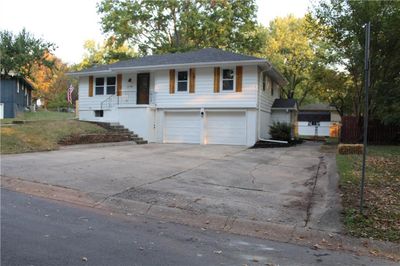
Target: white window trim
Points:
(222, 79)
(177, 81)
(105, 85)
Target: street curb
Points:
(315, 239)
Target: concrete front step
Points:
(121, 130)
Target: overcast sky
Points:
(68, 23)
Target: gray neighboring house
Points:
(15, 95)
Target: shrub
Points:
(350, 149)
(280, 131)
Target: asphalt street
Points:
(36, 231)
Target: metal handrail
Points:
(127, 97)
(108, 99)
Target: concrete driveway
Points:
(295, 186)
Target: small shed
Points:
(285, 111)
(317, 120)
(15, 95)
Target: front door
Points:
(143, 88)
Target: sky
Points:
(68, 23)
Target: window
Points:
(99, 86)
(228, 79)
(99, 113)
(105, 86)
(111, 83)
(272, 88)
(17, 86)
(264, 82)
(314, 123)
(182, 81)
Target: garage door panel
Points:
(226, 128)
(182, 127)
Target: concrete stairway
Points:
(120, 129)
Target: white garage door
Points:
(226, 128)
(182, 127)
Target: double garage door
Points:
(216, 127)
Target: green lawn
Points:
(39, 115)
(381, 219)
(43, 133)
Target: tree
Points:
(291, 50)
(106, 53)
(172, 25)
(19, 53)
(333, 87)
(51, 83)
(342, 24)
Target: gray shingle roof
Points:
(316, 107)
(285, 103)
(207, 55)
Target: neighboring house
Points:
(208, 96)
(15, 95)
(317, 120)
(286, 111)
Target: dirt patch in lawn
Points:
(381, 219)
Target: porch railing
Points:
(128, 97)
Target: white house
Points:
(208, 96)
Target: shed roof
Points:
(316, 107)
(284, 104)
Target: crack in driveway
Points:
(311, 196)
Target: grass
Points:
(44, 133)
(39, 115)
(381, 219)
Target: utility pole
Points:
(367, 71)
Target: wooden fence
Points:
(378, 133)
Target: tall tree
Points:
(342, 24)
(106, 53)
(294, 53)
(333, 87)
(19, 53)
(51, 83)
(180, 25)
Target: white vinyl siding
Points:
(204, 96)
(266, 101)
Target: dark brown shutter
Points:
(172, 81)
(90, 86)
(119, 84)
(239, 78)
(217, 73)
(192, 80)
